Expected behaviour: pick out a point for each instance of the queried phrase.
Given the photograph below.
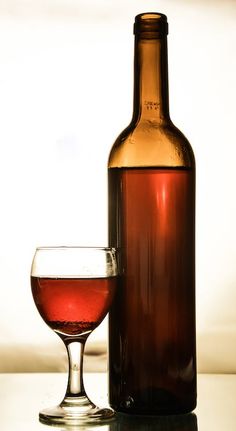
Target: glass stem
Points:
(75, 350)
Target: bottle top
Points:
(151, 22)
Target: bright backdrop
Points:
(66, 83)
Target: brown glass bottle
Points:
(152, 353)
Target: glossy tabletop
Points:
(23, 395)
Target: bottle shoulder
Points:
(149, 143)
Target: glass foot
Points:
(70, 412)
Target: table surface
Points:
(23, 395)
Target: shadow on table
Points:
(186, 422)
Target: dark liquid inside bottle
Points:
(152, 356)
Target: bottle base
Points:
(154, 412)
(154, 403)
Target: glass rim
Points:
(77, 247)
(74, 261)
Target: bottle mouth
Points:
(151, 22)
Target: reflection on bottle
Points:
(125, 422)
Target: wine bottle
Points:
(151, 177)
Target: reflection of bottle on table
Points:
(151, 222)
(186, 422)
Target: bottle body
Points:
(152, 321)
(152, 354)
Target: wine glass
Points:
(73, 288)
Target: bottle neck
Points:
(151, 100)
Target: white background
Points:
(66, 77)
